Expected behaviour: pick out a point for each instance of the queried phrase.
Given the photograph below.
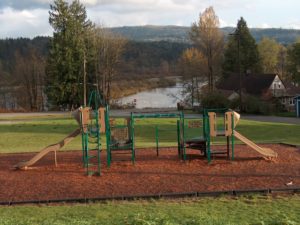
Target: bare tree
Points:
(209, 40)
(29, 74)
(282, 61)
(192, 68)
(109, 48)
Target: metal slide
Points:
(50, 148)
(264, 151)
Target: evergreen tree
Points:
(243, 44)
(293, 57)
(67, 53)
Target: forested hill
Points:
(180, 33)
(150, 48)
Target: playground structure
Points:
(122, 137)
(91, 124)
(212, 129)
(47, 150)
(119, 137)
(95, 121)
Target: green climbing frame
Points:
(113, 142)
(91, 138)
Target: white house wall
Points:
(277, 87)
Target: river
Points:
(156, 98)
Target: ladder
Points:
(91, 137)
(91, 147)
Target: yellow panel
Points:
(212, 124)
(101, 114)
(228, 124)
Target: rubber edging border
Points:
(294, 190)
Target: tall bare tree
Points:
(273, 57)
(209, 40)
(108, 50)
(192, 68)
(282, 62)
(30, 74)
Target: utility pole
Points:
(239, 68)
(84, 80)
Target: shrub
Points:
(255, 105)
(214, 100)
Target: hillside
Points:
(180, 33)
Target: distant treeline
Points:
(139, 58)
(181, 34)
(150, 48)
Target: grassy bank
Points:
(252, 210)
(32, 135)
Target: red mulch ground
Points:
(150, 174)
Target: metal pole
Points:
(107, 132)
(178, 137)
(156, 139)
(239, 68)
(132, 139)
(84, 80)
(183, 137)
(232, 136)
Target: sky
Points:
(29, 18)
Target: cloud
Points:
(25, 4)
(292, 24)
(264, 25)
(23, 23)
(30, 17)
(33, 4)
(224, 23)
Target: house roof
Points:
(292, 90)
(254, 84)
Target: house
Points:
(288, 99)
(264, 86)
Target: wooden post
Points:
(228, 146)
(55, 158)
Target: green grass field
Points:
(254, 210)
(30, 135)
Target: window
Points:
(292, 101)
(283, 100)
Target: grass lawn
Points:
(220, 211)
(32, 135)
